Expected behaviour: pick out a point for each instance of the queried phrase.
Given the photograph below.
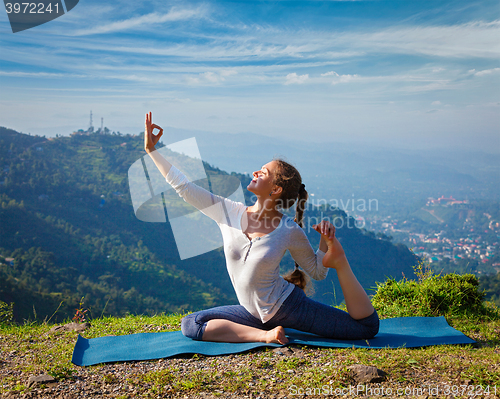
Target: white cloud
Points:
(293, 78)
(473, 39)
(331, 73)
(225, 73)
(340, 78)
(211, 77)
(144, 21)
(192, 80)
(428, 85)
(484, 72)
(19, 74)
(435, 103)
(346, 78)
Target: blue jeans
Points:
(298, 312)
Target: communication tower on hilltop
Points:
(102, 125)
(91, 126)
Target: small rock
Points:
(40, 379)
(283, 351)
(78, 327)
(365, 374)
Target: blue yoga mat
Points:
(394, 333)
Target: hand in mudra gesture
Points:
(150, 139)
(335, 252)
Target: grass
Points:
(451, 295)
(30, 349)
(36, 351)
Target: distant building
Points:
(445, 201)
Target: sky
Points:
(410, 74)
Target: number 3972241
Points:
(31, 8)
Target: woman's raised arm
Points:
(193, 194)
(150, 140)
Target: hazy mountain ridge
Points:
(396, 177)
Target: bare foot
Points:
(276, 336)
(335, 256)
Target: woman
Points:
(255, 240)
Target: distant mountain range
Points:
(69, 231)
(396, 178)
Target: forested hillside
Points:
(68, 231)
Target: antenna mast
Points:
(91, 127)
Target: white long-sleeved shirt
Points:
(253, 264)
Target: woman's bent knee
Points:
(191, 328)
(372, 325)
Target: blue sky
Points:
(420, 74)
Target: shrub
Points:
(449, 295)
(6, 312)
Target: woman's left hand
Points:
(330, 245)
(327, 231)
(150, 139)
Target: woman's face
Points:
(262, 182)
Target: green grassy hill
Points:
(68, 222)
